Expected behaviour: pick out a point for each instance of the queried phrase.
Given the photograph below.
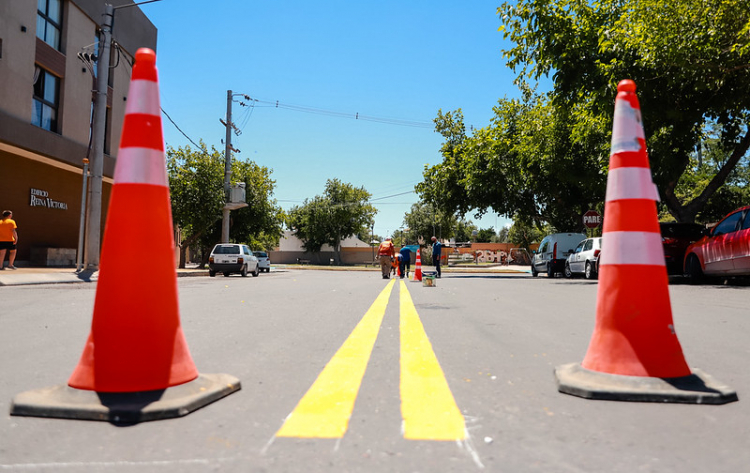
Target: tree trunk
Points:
(687, 212)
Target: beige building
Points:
(46, 108)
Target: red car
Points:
(725, 251)
(676, 238)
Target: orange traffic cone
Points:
(136, 343)
(418, 267)
(634, 344)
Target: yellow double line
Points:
(428, 408)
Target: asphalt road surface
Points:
(347, 372)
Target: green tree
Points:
(522, 234)
(197, 194)
(486, 235)
(464, 231)
(544, 157)
(342, 211)
(690, 60)
(425, 220)
(529, 162)
(196, 179)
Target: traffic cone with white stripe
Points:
(136, 344)
(634, 352)
(418, 266)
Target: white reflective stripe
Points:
(141, 166)
(627, 128)
(143, 97)
(632, 248)
(630, 183)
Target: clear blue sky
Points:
(400, 60)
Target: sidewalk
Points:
(26, 276)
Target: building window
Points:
(46, 100)
(49, 22)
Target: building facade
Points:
(47, 65)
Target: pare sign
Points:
(592, 219)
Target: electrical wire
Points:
(354, 116)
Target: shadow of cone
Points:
(135, 364)
(418, 267)
(634, 354)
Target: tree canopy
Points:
(544, 156)
(196, 180)
(342, 211)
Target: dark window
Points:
(49, 22)
(46, 100)
(728, 225)
(227, 250)
(746, 222)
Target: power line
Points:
(129, 63)
(333, 113)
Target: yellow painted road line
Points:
(427, 405)
(324, 411)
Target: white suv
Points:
(231, 258)
(553, 252)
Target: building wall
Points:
(48, 164)
(18, 52)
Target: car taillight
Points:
(668, 241)
(554, 251)
(210, 259)
(240, 260)
(596, 253)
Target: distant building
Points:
(46, 108)
(290, 250)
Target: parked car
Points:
(724, 251)
(584, 259)
(553, 252)
(675, 238)
(264, 263)
(228, 258)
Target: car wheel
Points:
(211, 273)
(590, 273)
(226, 275)
(550, 271)
(693, 270)
(568, 272)
(256, 272)
(534, 272)
(244, 271)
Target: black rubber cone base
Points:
(698, 388)
(124, 408)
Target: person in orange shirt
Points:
(8, 239)
(386, 251)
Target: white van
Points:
(553, 252)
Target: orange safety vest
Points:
(385, 249)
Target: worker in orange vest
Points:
(386, 252)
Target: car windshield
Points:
(260, 254)
(227, 250)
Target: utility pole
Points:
(230, 205)
(227, 171)
(93, 234)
